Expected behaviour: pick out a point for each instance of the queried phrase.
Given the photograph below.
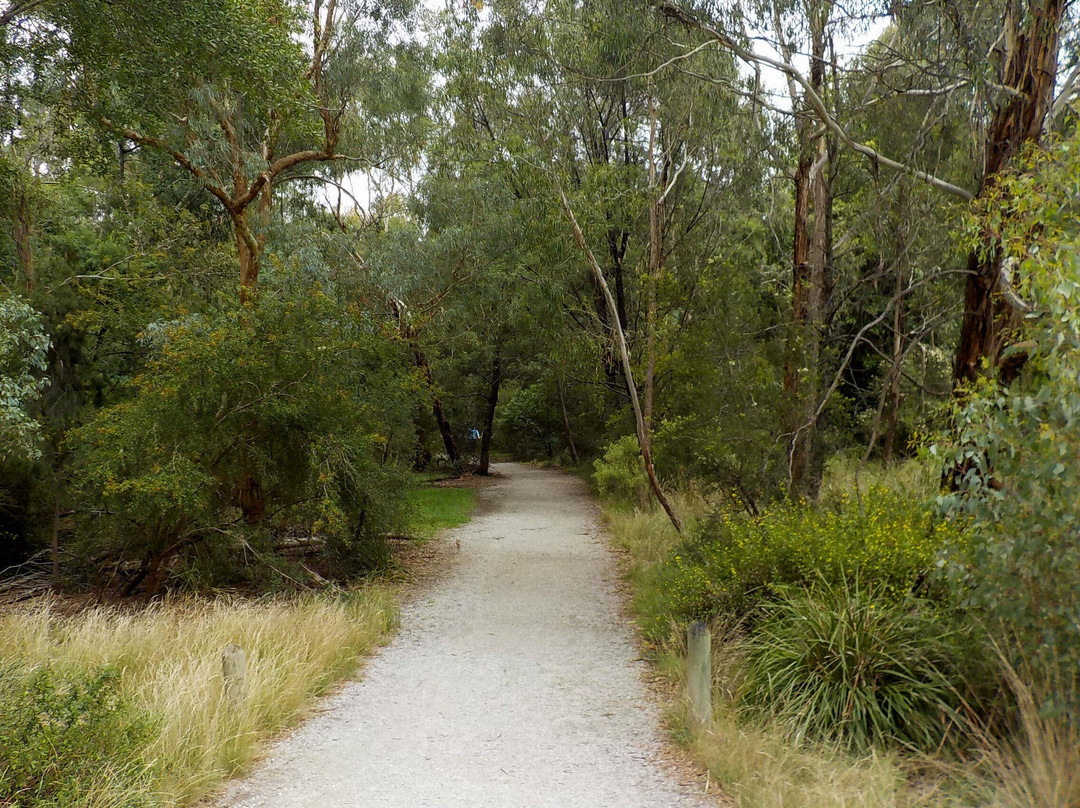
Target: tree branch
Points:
(181, 158)
(816, 103)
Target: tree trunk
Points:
(820, 300)
(155, 575)
(794, 375)
(654, 265)
(624, 355)
(437, 408)
(1032, 39)
(422, 455)
(22, 228)
(892, 401)
(566, 423)
(812, 280)
(249, 252)
(54, 546)
(489, 419)
(252, 505)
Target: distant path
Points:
(513, 682)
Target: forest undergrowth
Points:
(843, 673)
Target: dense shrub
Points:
(850, 664)
(62, 739)
(1014, 449)
(530, 423)
(246, 420)
(621, 471)
(23, 350)
(734, 562)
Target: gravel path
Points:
(513, 682)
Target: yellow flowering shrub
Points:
(734, 562)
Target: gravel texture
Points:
(512, 684)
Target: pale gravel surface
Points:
(512, 684)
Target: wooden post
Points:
(699, 674)
(233, 671)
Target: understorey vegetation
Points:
(796, 284)
(121, 708)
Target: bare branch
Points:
(182, 159)
(16, 8)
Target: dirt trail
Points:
(513, 682)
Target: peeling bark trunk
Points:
(812, 280)
(1032, 40)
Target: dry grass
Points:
(761, 769)
(1040, 766)
(169, 656)
(648, 536)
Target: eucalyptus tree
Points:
(241, 96)
(572, 105)
(1005, 57)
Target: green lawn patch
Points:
(432, 509)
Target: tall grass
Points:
(168, 659)
(1039, 765)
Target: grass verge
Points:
(435, 508)
(148, 683)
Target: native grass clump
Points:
(117, 708)
(853, 664)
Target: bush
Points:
(24, 349)
(62, 739)
(852, 664)
(734, 562)
(248, 420)
(620, 472)
(1014, 449)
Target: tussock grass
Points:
(759, 768)
(759, 760)
(1040, 765)
(168, 657)
(648, 536)
(846, 474)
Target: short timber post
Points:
(699, 674)
(233, 672)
